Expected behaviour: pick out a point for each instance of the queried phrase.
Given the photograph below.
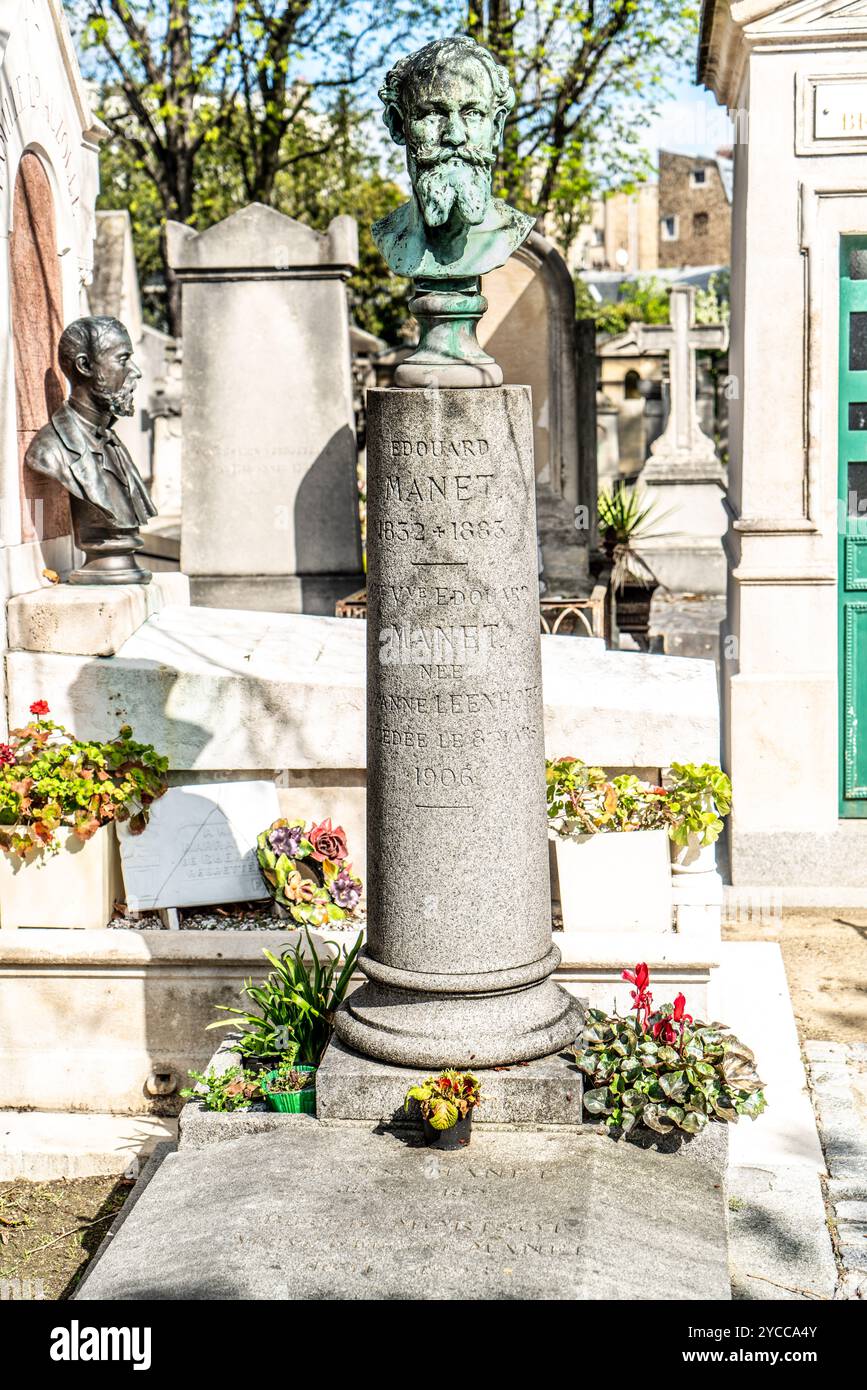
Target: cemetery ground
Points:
(49, 1231)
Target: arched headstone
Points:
(37, 322)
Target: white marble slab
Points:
(199, 847)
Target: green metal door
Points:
(852, 526)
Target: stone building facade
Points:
(694, 210)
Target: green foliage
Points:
(689, 1073)
(589, 80)
(639, 301)
(50, 779)
(646, 300)
(296, 1003)
(237, 1088)
(445, 1099)
(698, 798)
(224, 1091)
(584, 800)
(214, 104)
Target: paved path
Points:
(838, 1080)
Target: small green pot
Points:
(298, 1103)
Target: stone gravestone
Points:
(683, 470)
(529, 327)
(270, 500)
(114, 291)
(199, 846)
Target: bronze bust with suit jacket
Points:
(79, 449)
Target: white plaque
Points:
(841, 110)
(199, 846)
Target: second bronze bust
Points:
(79, 449)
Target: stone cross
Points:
(683, 443)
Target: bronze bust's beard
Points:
(445, 177)
(116, 402)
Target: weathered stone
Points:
(215, 690)
(268, 415)
(455, 736)
(198, 1127)
(514, 1216)
(534, 1094)
(78, 620)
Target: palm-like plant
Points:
(297, 1003)
(626, 517)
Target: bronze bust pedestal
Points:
(79, 449)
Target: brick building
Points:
(694, 209)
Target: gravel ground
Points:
(234, 917)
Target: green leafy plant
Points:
(233, 1089)
(664, 1069)
(584, 800)
(296, 1003)
(445, 1099)
(698, 798)
(307, 871)
(626, 518)
(50, 779)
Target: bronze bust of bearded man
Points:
(448, 103)
(79, 450)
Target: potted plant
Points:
(446, 1103)
(291, 1089)
(698, 799)
(307, 871)
(59, 796)
(625, 519)
(296, 1003)
(663, 1069)
(609, 848)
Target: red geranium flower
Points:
(39, 707)
(7, 756)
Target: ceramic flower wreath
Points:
(307, 871)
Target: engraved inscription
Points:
(425, 646)
(438, 448)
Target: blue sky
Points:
(690, 122)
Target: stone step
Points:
(41, 1145)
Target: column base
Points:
(540, 1094)
(417, 1028)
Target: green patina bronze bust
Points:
(448, 103)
